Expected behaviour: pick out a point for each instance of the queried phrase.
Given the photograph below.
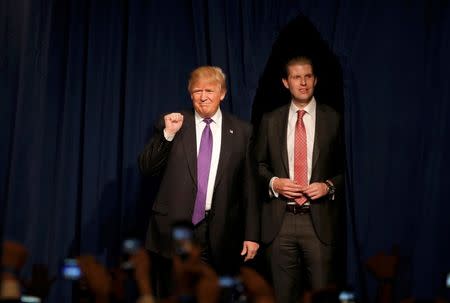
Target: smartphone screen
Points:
(346, 296)
(29, 299)
(70, 269)
(182, 237)
(232, 290)
(129, 247)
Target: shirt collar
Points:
(215, 118)
(310, 109)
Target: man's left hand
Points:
(249, 250)
(315, 190)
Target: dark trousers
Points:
(298, 259)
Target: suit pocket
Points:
(160, 208)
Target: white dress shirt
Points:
(216, 129)
(309, 119)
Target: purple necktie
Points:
(203, 165)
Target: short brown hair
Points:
(213, 73)
(294, 61)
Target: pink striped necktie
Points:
(300, 155)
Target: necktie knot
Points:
(300, 113)
(207, 121)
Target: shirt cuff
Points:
(167, 136)
(272, 192)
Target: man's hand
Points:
(315, 190)
(173, 123)
(287, 188)
(249, 249)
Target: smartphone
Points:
(30, 299)
(70, 269)
(129, 247)
(346, 296)
(182, 239)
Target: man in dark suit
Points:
(300, 162)
(218, 195)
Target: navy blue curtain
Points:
(82, 82)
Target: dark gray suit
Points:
(234, 215)
(327, 164)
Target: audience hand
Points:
(14, 256)
(141, 265)
(96, 276)
(195, 278)
(258, 290)
(382, 266)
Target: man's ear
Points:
(285, 83)
(222, 95)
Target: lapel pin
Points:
(231, 131)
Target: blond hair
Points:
(208, 73)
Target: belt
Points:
(298, 209)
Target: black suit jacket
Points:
(234, 215)
(327, 164)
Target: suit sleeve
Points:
(153, 158)
(262, 154)
(339, 161)
(253, 217)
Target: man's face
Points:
(300, 82)
(206, 96)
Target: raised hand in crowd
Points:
(13, 258)
(194, 278)
(141, 264)
(97, 278)
(384, 268)
(257, 289)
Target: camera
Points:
(182, 239)
(70, 270)
(232, 290)
(129, 247)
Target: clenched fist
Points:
(173, 123)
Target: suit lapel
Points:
(281, 128)
(318, 135)
(225, 150)
(190, 145)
